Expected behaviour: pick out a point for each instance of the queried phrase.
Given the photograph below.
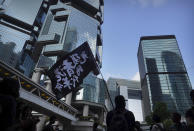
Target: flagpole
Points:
(106, 88)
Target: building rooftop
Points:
(157, 37)
(125, 82)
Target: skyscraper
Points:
(163, 74)
(68, 24)
(22, 28)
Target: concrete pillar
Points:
(67, 125)
(105, 113)
(59, 124)
(85, 110)
(68, 98)
(41, 123)
(107, 103)
(37, 74)
(48, 85)
(101, 118)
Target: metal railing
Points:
(41, 99)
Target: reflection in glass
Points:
(163, 74)
(93, 90)
(11, 45)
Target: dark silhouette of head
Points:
(137, 124)
(176, 117)
(9, 86)
(192, 95)
(156, 118)
(95, 125)
(26, 112)
(53, 119)
(189, 115)
(120, 101)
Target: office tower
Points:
(131, 91)
(10, 57)
(163, 74)
(69, 24)
(21, 26)
(113, 88)
(93, 90)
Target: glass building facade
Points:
(74, 29)
(113, 88)
(67, 25)
(93, 90)
(163, 74)
(19, 30)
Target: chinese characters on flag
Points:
(68, 73)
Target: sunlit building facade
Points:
(19, 30)
(163, 74)
(68, 24)
(131, 91)
(94, 90)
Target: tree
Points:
(167, 123)
(149, 120)
(161, 110)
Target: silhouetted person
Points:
(192, 95)
(120, 119)
(177, 125)
(138, 126)
(49, 127)
(157, 126)
(57, 128)
(189, 115)
(27, 120)
(9, 91)
(26, 113)
(95, 125)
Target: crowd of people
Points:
(17, 116)
(120, 119)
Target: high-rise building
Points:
(163, 74)
(131, 90)
(113, 88)
(21, 27)
(94, 90)
(68, 24)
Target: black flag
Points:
(68, 73)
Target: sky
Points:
(125, 21)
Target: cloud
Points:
(136, 77)
(148, 3)
(144, 3)
(108, 75)
(157, 3)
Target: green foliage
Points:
(161, 110)
(167, 123)
(148, 119)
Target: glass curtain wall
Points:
(163, 71)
